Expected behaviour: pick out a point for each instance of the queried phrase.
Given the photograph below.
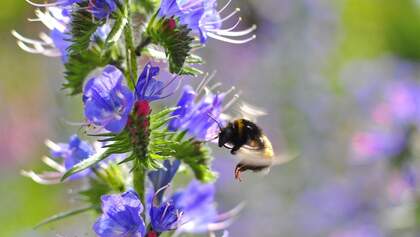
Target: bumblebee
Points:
(242, 133)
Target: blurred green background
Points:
(294, 69)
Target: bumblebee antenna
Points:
(216, 121)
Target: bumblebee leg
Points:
(234, 150)
(238, 171)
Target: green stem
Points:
(146, 41)
(130, 49)
(139, 179)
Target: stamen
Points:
(237, 33)
(232, 213)
(225, 6)
(231, 102)
(49, 21)
(53, 164)
(176, 88)
(224, 19)
(45, 4)
(213, 87)
(41, 180)
(205, 82)
(52, 145)
(157, 192)
(27, 40)
(26, 48)
(34, 19)
(229, 91)
(228, 29)
(164, 211)
(232, 41)
(46, 38)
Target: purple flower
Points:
(199, 214)
(72, 153)
(149, 88)
(364, 230)
(107, 100)
(120, 216)
(376, 145)
(195, 117)
(162, 177)
(403, 98)
(67, 2)
(102, 8)
(165, 217)
(203, 18)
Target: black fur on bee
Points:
(240, 133)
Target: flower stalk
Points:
(129, 47)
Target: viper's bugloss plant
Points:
(132, 148)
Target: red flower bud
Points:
(152, 234)
(171, 24)
(142, 108)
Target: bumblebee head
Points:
(226, 135)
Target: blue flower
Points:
(120, 216)
(199, 214)
(108, 102)
(102, 8)
(162, 177)
(195, 117)
(67, 2)
(165, 217)
(73, 152)
(57, 19)
(148, 87)
(203, 18)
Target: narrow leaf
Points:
(66, 214)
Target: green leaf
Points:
(197, 157)
(83, 26)
(116, 31)
(85, 164)
(176, 42)
(66, 214)
(80, 65)
(95, 191)
(187, 70)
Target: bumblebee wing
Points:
(249, 112)
(252, 158)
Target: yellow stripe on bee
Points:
(268, 148)
(240, 125)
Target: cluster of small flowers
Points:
(112, 105)
(392, 138)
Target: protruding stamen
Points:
(154, 199)
(225, 18)
(228, 29)
(46, 179)
(231, 102)
(232, 41)
(52, 145)
(225, 6)
(45, 4)
(205, 82)
(53, 164)
(27, 40)
(237, 33)
(215, 86)
(46, 38)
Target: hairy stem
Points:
(130, 49)
(139, 180)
